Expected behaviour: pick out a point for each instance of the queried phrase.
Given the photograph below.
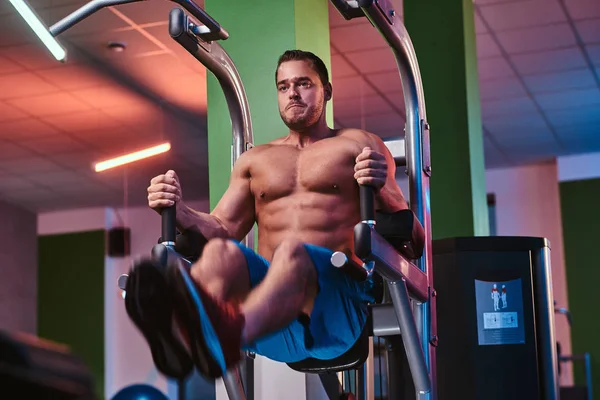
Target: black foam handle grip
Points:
(367, 203)
(168, 224)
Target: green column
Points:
(443, 34)
(580, 221)
(260, 31)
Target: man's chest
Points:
(324, 167)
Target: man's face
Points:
(301, 94)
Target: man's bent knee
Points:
(291, 249)
(220, 257)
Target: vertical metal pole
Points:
(361, 382)
(233, 384)
(418, 164)
(588, 375)
(544, 306)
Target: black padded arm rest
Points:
(189, 244)
(403, 231)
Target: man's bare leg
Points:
(289, 288)
(223, 271)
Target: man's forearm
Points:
(389, 200)
(209, 225)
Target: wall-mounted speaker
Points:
(119, 242)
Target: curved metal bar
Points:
(215, 58)
(82, 13)
(216, 31)
(418, 164)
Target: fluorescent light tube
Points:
(131, 157)
(40, 30)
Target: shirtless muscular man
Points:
(287, 302)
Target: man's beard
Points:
(303, 121)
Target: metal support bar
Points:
(587, 363)
(385, 321)
(387, 21)
(410, 337)
(544, 322)
(216, 31)
(83, 12)
(233, 384)
(389, 263)
(361, 382)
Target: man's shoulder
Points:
(360, 135)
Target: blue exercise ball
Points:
(139, 392)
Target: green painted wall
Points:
(580, 221)
(71, 296)
(260, 31)
(443, 34)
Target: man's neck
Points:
(311, 135)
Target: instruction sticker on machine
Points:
(499, 312)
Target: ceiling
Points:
(539, 74)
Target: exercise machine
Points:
(411, 312)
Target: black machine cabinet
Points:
(495, 319)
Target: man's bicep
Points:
(235, 210)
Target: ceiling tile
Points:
(589, 30)
(25, 195)
(82, 121)
(35, 56)
(501, 89)
(12, 182)
(529, 141)
(141, 13)
(53, 104)
(494, 68)
(537, 38)
(386, 81)
(571, 98)
(549, 61)
(139, 116)
(594, 53)
(27, 165)
(479, 25)
(59, 178)
(369, 105)
(579, 131)
(486, 46)
(349, 88)
(370, 61)
(55, 144)
(23, 85)
(345, 38)
(516, 124)
(107, 96)
(573, 79)
(72, 77)
(25, 129)
(575, 116)
(340, 68)
(7, 66)
(10, 113)
(396, 99)
(14, 31)
(580, 9)
(134, 41)
(11, 151)
(376, 123)
(513, 106)
(76, 159)
(512, 15)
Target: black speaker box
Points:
(119, 240)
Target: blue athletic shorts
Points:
(336, 322)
